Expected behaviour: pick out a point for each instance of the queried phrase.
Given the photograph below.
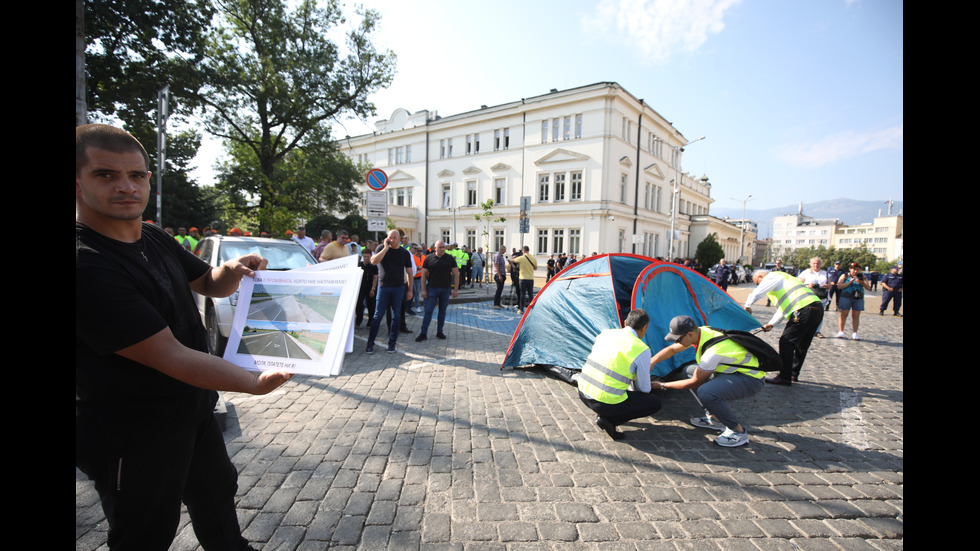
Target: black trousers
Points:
(796, 339)
(637, 404)
(141, 492)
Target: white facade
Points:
(597, 164)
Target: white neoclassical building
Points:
(596, 166)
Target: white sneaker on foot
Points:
(731, 439)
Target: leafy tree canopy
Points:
(275, 79)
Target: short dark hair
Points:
(637, 319)
(109, 138)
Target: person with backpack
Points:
(800, 307)
(723, 370)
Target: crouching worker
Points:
(615, 381)
(721, 374)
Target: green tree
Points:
(709, 252)
(486, 219)
(134, 48)
(274, 81)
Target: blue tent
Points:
(569, 312)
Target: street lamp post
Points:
(676, 193)
(741, 239)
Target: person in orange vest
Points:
(419, 257)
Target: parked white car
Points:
(218, 313)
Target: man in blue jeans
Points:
(395, 270)
(440, 278)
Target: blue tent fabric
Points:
(569, 312)
(666, 290)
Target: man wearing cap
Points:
(892, 283)
(726, 372)
(615, 380)
(800, 307)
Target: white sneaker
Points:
(840, 334)
(731, 439)
(855, 336)
(707, 423)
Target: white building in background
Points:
(598, 164)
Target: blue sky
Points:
(798, 100)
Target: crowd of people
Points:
(138, 333)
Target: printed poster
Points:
(299, 321)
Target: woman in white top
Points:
(816, 279)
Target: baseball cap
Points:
(680, 326)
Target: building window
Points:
(442, 149)
(499, 188)
(471, 193)
(449, 151)
(498, 239)
(558, 239)
(554, 129)
(575, 241)
(544, 187)
(476, 143)
(623, 179)
(578, 126)
(542, 241)
(469, 144)
(447, 196)
(501, 139)
(408, 153)
(567, 129)
(544, 131)
(622, 240)
(576, 191)
(446, 236)
(560, 186)
(471, 239)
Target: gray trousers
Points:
(723, 387)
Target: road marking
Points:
(852, 422)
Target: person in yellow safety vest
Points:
(615, 380)
(800, 307)
(185, 240)
(726, 372)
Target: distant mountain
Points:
(848, 211)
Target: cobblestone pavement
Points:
(436, 447)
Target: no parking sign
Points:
(377, 179)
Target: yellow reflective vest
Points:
(792, 295)
(606, 373)
(742, 361)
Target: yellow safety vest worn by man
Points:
(724, 372)
(800, 307)
(615, 380)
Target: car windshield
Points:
(281, 256)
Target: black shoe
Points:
(405, 330)
(421, 337)
(369, 349)
(441, 335)
(610, 428)
(777, 380)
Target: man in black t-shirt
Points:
(145, 430)
(395, 270)
(440, 278)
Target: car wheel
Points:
(216, 343)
